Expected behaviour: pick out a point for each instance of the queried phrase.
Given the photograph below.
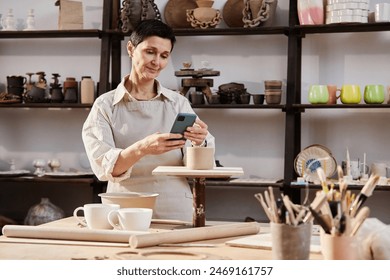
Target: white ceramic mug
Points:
(200, 158)
(95, 215)
(135, 219)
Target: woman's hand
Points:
(159, 143)
(197, 133)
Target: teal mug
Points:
(318, 94)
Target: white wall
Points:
(253, 139)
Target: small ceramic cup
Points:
(273, 84)
(135, 219)
(318, 94)
(350, 94)
(332, 91)
(197, 98)
(273, 96)
(258, 98)
(245, 98)
(95, 215)
(200, 158)
(374, 94)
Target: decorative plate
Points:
(311, 158)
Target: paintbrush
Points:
(316, 205)
(321, 220)
(322, 176)
(361, 216)
(365, 193)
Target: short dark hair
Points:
(152, 27)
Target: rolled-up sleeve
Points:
(99, 143)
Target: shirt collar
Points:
(122, 93)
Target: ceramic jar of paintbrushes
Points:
(290, 227)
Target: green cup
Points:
(374, 94)
(318, 94)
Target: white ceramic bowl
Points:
(130, 199)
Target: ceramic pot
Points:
(70, 90)
(232, 13)
(36, 94)
(70, 95)
(43, 212)
(70, 82)
(57, 95)
(175, 13)
(133, 11)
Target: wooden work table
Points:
(13, 248)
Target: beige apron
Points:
(148, 117)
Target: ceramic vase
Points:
(43, 212)
(9, 23)
(204, 16)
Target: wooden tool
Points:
(194, 234)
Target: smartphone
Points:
(182, 121)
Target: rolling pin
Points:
(193, 234)
(79, 234)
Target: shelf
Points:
(239, 106)
(272, 30)
(350, 187)
(341, 28)
(86, 180)
(51, 34)
(228, 183)
(45, 105)
(341, 106)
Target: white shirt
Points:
(116, 121)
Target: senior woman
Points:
(126, 134)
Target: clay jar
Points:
(204, 14)
(70, 82)
(70, 90)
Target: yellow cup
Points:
(350, 94)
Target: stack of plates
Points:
(342, 11)
(313, 157)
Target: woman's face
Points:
(150, 56)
